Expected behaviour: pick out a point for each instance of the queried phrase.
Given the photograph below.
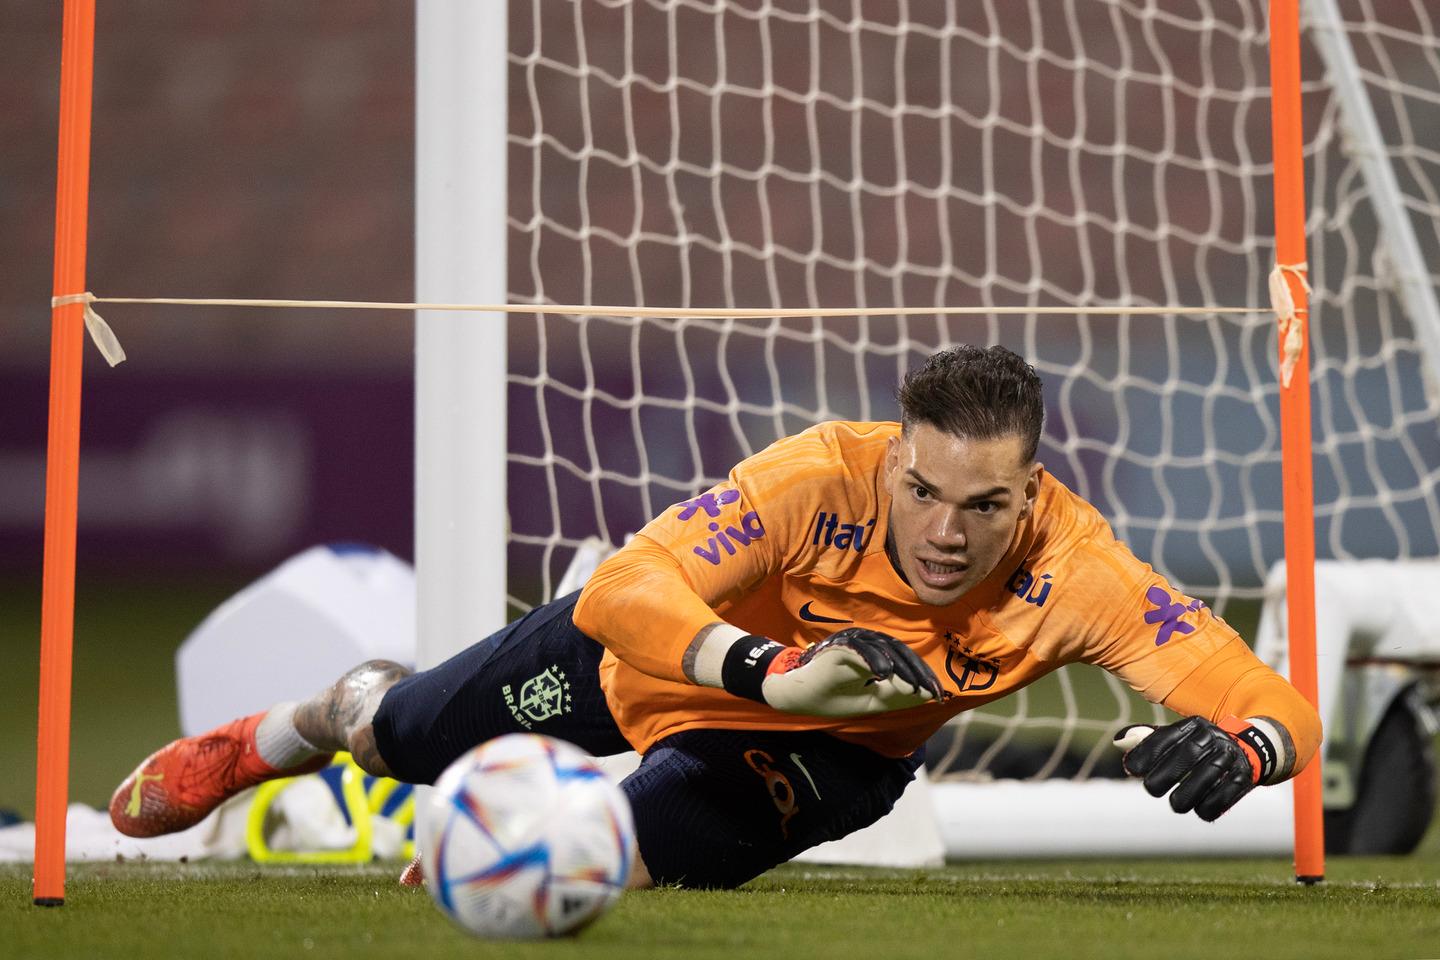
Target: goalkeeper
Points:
(779, 648)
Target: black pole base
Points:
(1310, 881)
(49, 901)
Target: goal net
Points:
(1076, 153)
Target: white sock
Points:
(278, 742)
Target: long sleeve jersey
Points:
(791, 546)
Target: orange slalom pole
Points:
(62, 462)
(1287, 134)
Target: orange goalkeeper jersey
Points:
(792, 547)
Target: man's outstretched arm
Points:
(641, 607)
(1243, 725)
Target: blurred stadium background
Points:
(258, 146)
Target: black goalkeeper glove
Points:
(850, 673)
(1210, 766)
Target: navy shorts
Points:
(713, 808)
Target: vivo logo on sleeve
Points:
(731, 538)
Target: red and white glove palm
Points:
(850, 673)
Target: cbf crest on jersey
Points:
(971, 672)
(542, 697)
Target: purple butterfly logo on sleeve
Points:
(709, 502)
(1168, 613)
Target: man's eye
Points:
(921, 493)
(986, 506)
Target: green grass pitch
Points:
(124, 704)
(1368, 908)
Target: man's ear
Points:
(892, 460)
(1032, 489)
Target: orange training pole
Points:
(57, 616)
(1287, 133)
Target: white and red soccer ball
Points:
(527, 838)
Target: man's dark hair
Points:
(980, 393)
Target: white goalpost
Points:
(997, 154)
(460, 361)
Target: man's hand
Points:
(1211, 767)
(853, 672)
(850, 673)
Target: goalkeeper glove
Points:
(850, 673)
(1210, 766)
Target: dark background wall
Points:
(249, 149)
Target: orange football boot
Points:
(178, 785)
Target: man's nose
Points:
(948, 530)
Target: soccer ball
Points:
(527, 838)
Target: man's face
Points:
(954, 508)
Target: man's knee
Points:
(361, 688)
(360, 692)
(365, 754)
(342, 716)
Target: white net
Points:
(1070, 152)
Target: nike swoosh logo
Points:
(795, 759)
(806, 614)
